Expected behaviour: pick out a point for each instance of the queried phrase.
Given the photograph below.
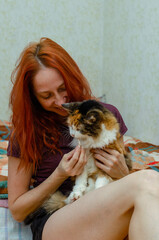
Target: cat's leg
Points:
(102, 180)
(79, 187)
(90, 185)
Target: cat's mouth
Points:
(81, 139)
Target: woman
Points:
(46, 77)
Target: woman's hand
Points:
(72, 163)
(111, 162)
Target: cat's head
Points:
(86, 119)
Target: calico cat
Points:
(92, 126)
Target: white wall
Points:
(115, 43)
(76, 25)
(131, 64)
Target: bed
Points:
(144, 156)
(9, 228)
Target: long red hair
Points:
(34, 127)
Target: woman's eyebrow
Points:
(40, 92)
(62, 85)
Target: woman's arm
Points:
(23, 201)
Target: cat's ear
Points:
(90, 119)
(70, 107)
(94, 116)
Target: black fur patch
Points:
(39, 212)
(90, 105)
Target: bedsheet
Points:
(144, 156)
(12, 230)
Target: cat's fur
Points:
(93, 126)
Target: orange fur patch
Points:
(110, 122)
(116, 146)
(73, 120)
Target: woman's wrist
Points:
(60, 174)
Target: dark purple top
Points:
(50, 161)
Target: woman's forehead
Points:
(47, 79)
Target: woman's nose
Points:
(59, 100)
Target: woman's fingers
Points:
(81, 162)
(103, 167)
(111, 161)
(74, 161)
(103, 157)
(73, 158)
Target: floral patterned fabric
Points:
(144, 156)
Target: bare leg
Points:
(145, 219)
(105, 213)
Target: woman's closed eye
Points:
(47, 96)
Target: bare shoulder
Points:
(18, 180)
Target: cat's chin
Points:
(82, 142)
(86, 143)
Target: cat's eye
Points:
(77, 128)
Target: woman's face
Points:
(49, 89)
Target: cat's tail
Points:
(40, 212)
(55, 202)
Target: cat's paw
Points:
(77, 193)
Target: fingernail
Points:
(78, 147)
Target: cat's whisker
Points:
(65, 132)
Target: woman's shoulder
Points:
(117, 114)
(111, 108)
(13, 147)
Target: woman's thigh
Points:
(102, 214)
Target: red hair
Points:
(34, 127)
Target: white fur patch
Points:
(105, 138)
(101, 181)
(83, 183)
(74, 143)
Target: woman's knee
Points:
(148, 182)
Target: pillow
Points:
(144, 155)
(3, 169)
(5, 128)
